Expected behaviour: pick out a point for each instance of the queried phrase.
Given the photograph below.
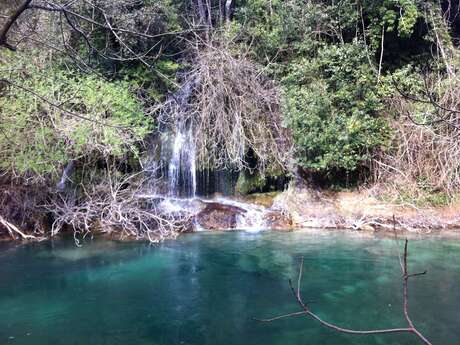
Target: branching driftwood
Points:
(422, 223)
(307, 311)
(13, 229)
(19, 217)
(113, 208)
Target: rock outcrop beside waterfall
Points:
(359, 210)
(218, 216)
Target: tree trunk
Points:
(228, 10)
(201, 12)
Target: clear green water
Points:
(205, 289)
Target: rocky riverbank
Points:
(298, 208)
(360, 210)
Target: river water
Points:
(206, 288)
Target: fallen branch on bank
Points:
(112, 208)
(13, 229)
(306, 310)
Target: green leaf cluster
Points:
(51, 115)
(331, 105)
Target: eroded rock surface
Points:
(276, 220)
(218, 216)
(360, 210)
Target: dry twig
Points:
(426, 151)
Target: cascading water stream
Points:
(253, 219)
(182, 166)
(178, 152)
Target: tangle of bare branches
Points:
(14, 230)
(113, 208)
(235, 110)
(426, 149)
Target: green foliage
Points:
(327, 57)
(111, 51)
(249, 183)
(37, 137)
(422, 197)
(394, 15)
(153, 84)
(331, 105)
(409, 16)
(266, 27)
(279, 29)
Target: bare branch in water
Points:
(306, 310)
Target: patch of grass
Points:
(419, 198)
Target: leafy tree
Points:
(50, 115)
(331, 105)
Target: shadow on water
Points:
(205, 288)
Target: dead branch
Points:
(234, 107)
(113, 208)
(87, 19)
(13, 229)
(425, 149)
(441, 112)
(307, 311)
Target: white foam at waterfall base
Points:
(252, 220)
(173, 205)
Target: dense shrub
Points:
(50, 116)
(331, 105)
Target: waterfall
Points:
(173, 167)
(178, 148)
(178, 161)
(182, 166)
